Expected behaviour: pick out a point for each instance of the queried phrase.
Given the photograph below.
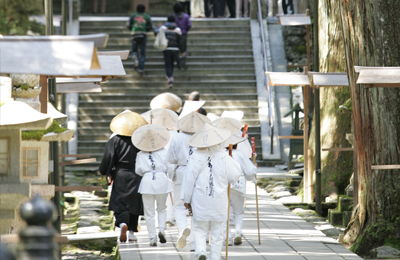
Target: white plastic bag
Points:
(161, 41)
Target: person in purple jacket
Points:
(182, 20)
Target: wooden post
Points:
(310, 175)
(308, 43)
(253, 147)
(43, 94)
(305, 132)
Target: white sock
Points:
(131, 233)
(121, 225)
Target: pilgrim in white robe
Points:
(208, 175)
(238, 189)
(178, 155)
(154, 187)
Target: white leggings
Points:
(149, 201)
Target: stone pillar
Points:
(25, 88)
(37, 239)
(254, 9)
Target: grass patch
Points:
(38, 134)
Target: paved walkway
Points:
(284, 236)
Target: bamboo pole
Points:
(253, 146)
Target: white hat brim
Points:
(191, 106)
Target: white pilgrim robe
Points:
(178, 154)
(244, 146)
(248, 169)
(206, 184)
(154, 167)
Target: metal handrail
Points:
(265, 64)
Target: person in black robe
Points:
(118, 164)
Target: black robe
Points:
(120, 154)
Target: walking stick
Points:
(229, 204)
(253, 146)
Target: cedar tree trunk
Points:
(371, 34)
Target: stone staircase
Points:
(220, 66)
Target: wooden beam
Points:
(290, 137)
(78, 188)
(74, 155)
(338, 149)
(383, 85)
(89, 160)
(43, 94)
(385, 167)
(14, 239)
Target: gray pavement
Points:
(284, 235)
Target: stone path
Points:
(284, 235)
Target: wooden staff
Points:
(253, 156)
(229, 204)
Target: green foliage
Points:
(24, 87)
(300, 49)
(14, 16)
(38, 134)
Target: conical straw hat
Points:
(161, 116)
(231, 124)
(126, 123)
(233, 139)
(19, 115)
(150, 138)
(166, 100)
(192, 122)
(208, 136)
(236, 114)
(212, 116)
(191, 106)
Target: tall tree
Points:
(336, 166)
(371, 31)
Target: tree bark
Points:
(371, 38)
(336, 167)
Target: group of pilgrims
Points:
(178, 166)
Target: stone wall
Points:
(295, 38)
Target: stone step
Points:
(157, 89)
(197, 71)
(195, 23)
(139, 109)
(190, 40)
(143, 102)
(188, 76)
(208, 59)
(148, 96)
(231, 46)
(123, 28)
(199, 35)
(254, 124)
(252, 119)
(179, 83)
(153, 52)
(193, 65)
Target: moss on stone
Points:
(38, 134)
(24, 87)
